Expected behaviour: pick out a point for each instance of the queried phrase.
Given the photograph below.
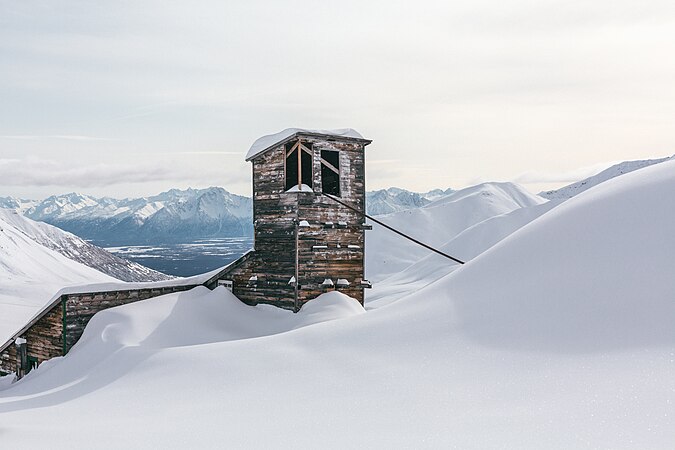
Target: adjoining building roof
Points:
(97, 288)
(261, 145)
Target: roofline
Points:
(59, 298)
(331, 137)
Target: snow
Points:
(437, 223)
(303, 188)
(77, 249)
(303, 223)
(31, 273)
(558, 336)
(466, 245)
(264, 143)
(616, 170)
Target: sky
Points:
(128, 98)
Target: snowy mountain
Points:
(559, 336)
(176, 215)
(387, 201)
(437, 223)
(17, 204)
(573, 189)
(76, 249)
(30, 272)
(172, 216)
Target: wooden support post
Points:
(299, 170)
(296, 306)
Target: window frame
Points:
(330, 168)
(303, 151)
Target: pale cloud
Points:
(65, 137)
(34, 172)
(450, 92)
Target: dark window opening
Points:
(31, 363)
(330, 172)
(292, 164)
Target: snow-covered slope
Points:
(560, 336)
(172, 216)
(79, 250)
(437, 223)
(595, 273)
(466, 246)
(573, 189)
(30, 274)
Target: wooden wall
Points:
(44, 340)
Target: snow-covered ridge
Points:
(76, 249)
(387, 201)
(438, 222)
(616, 170)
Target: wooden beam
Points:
(330, 166)
(306, 150)
(299, 172)
(292, 149)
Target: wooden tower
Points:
(306, 243)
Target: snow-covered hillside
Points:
(573, 189)
(79, 250)
(466, 246)
(560, 336)
(31, 274)
(175, 215)
(437, 223)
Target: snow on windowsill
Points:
(303, 188)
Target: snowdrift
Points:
(466, 246)
(595, 273)
(553, 338)
(437, 223)
(195, 317)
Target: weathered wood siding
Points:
(274, 220)
(338, 260)
(44, 340)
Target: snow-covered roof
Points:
(195, 280)
(264, 143)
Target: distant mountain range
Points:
(172, 216)
(176, 215)
(573, 189)
(387, 201)
(183, 216)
